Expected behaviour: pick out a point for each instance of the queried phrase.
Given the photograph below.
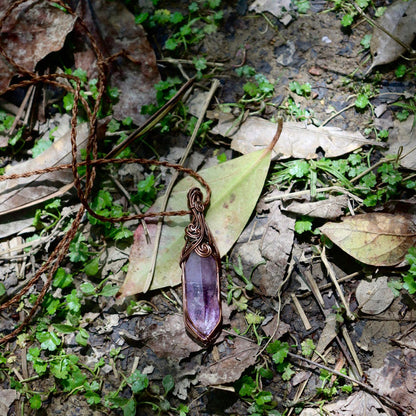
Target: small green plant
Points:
(295, 110)
(375, 187)
(302, 6)
(185, 30)
(103, 205)
(249, 389)
(89, 91)
(279, 351)
(146, 192)
(330, 388)
(237, 294)
(258, 89)
(408, 282)
(349, 12)
(300, 89)
(46, 218)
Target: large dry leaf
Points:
(374, 296)
(330, 209)
(359, 403)
(229, 368)
(378, 239)
(297, 139)
(276, 247)
(397, 378)
(34, 30)
(405, 143)
(20, 193)
(115, 29)
(400, 20)
(236, 187)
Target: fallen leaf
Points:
(7, 397)
(378, 239)
(359, 403)
(159, 337)
(276, 247)
(269, 328)
(16, 194)
(114, 25)
(405, 142)
(397, 378)
(228, 369)
(33, 30)
(400, 20)
(328, 334)
(374, 296)
(275, 7)
(329, 209)
(296, 141)
(236, 186)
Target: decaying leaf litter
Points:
(283, 282)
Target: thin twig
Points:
(331, 274)
(308, 192)
(332, 116)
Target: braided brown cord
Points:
(56, 257)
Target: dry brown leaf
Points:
(270, 327)
(34, 30)
(359, 403)
(159, 338)
(7, 397)
(297, 139)
(378, 239)
(400, 20)
(116, 30)
(329, 209)
(275, 7)
(397, 378)
(20, 193)
(328, 333)
(374, 296)
(276, 246)
(405, 143)
(242, 354)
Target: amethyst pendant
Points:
(200, 264)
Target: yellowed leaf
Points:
(378, 239)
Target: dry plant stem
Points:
(319, 300)
(331, 274)
(21, 109)
(331, 117)
(329, 285)
(188, 62)
(350, 345)
(175, 175)
(308, 192)
(391, 403)
(301, 312)
(374, 23)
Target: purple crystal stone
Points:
(201, 293)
